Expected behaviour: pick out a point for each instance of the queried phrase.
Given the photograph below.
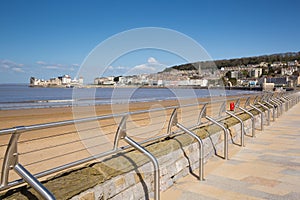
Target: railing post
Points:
(11, 161)
(242, 127)
(11, 156)
(252, 118)
(225, 136)
(201, 149)
(266, 102)
(202, 114)
(261, 116)
(122, 134)
(265, 107)
(154, 162)
(174, 122)
(33, 182)
(277, 106)
(280, 105)
(286, 103)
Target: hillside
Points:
(281, 57)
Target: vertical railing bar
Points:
(242, 127)
(154, 162)
(201, 114)
(261, 116)
(11, 162)
(172, 122)
(11, 155)
(225, 136)
(280, 105)
(265, 107)
(252, 118)
(201, 157)
(122, 134)
(247, 102)
(286, 102)
(277, 106)
(266, 102)
(222, 108)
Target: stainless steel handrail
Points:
(225, 135)
(242, 127)
(261, 116)
(252, 119)
(265, 107)
(122, 134)
(201, 149)
(174, 122)
(33, 182)
(273, 107)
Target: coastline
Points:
(151, 87)
(19, 98)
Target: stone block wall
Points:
(138, 184)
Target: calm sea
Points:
(17, 96)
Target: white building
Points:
(256, 73)
(66, 79)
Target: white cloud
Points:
(152, 60)
(58, 66)
(41, 63)
(144, 67)
(152, 66)
(75, 65)
(5, 66)
(51, 67)
(17, 69)
(121, 67)
(10, 65)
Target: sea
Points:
(21, 96)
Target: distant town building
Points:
(256, 72)
(61, 81)
(267, 86)
(66, 79)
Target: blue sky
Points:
(51, 38)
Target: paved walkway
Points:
(267, 168)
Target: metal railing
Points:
(120, 132)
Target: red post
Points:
(231, 106)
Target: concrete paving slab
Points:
(267, 168)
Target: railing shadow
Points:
(24, 190)
(232, 136)
(213, 145)
(187, 158)
(140, 177)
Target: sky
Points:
(50, 38)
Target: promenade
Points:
(267, 168)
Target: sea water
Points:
(20, 96)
